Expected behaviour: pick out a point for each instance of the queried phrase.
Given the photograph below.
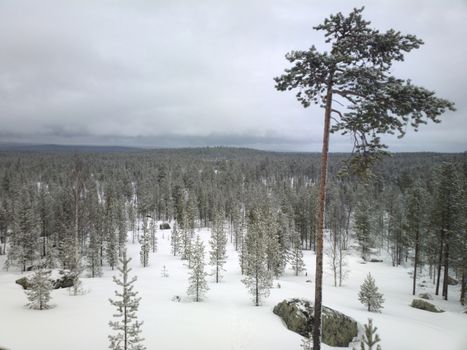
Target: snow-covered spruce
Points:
(39, 294)
(296, 253)
(127, 326)
(175, 240)
(370, 296)
(198, 285)
(257, 279)
(145, 242)
(153, 230)
(218, 243)
(370, 338)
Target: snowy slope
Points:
(226, 319)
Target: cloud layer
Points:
(185, 73)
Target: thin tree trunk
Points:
(257, 291)
(446, 268)
(417, 244)
(319, 233)
(463, 284)
(439, 262)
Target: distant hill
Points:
(21, 147)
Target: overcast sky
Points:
(200, 73)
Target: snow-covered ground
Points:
(226, 319)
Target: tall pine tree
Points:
(355, 74)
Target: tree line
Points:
(74, 211)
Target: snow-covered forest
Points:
(216, 238)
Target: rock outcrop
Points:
(338, 329)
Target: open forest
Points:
(232, 229)
(240, 175)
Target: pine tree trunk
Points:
(257, 291)
(463, 283)
(446, 268)
(440, 259)
(319, 233)
(125, 331)
(417, 244)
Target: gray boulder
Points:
(338, 329)
(424, 305)
(164, 226)
(66, 280)
(426, 296)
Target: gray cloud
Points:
(181, 73)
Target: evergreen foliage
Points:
(354, 84)
(370, 338)
(197, 280)
(175, 239)
(363, 227)
(39, 294)
(37, 209)
(296, 254)
(218, 243)
(145, 242)
(127, 326)
(370, 296)
(258, 279)
(152, 230)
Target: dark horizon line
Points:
(19, 146)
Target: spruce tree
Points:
(24, 247)
(296, 254)
(127, 326)
(257, 279)
(197, 280)
(39, 294)
(218, 242)
(237, 225)
(186, 244)
(355, 74)
(153, 230)
(93, 254)
(145, 241)
(175, 239)
(370, 296)
(363, 227)
(110, 229)
(370, 338)
(416, 223)
(448, 217)
(3, 227)
(274, 257)
(121, 225)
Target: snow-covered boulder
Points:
(426, 296)
(59, 279)
(424, 305)
(338, 329)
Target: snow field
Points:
(226, 318)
